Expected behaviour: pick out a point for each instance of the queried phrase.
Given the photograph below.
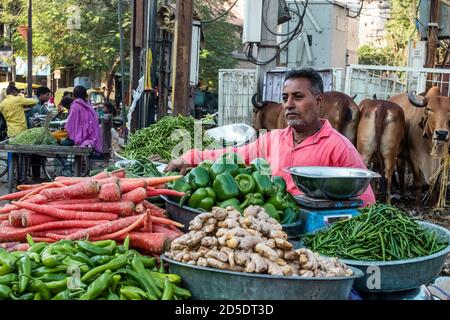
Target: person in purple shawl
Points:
(83, 124)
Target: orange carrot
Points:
(126, 230)
(66, 214)
(159, 180)
(83, 189)
(101, 175)
(39, 189)
(152, 192)
(15, 195)
(123, 208)
(150, 242)
(4, 217)
(128, 186)
(136, 195)
(23, 187)
(73, 201)
(119, 173)
(171, 234)
(100, 229)
(166, 221)
(65, 232)
(15, 218)
(110, 192)
(30, 219)
(148, 225)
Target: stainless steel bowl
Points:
(331, 182)
(233, 134)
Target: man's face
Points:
(44, 97)
(300, 105)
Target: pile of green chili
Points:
(168, 135)
(380, 232)
(83, 270)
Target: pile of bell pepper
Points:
(83, 270)
(229, 182)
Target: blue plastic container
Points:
(314, 219)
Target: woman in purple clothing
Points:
(83, 124)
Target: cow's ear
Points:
(422, 125)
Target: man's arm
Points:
(27, 101)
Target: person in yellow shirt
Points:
(13, 112)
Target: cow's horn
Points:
(415, 101)
(374, 96)
(354, 96)
(255, 103)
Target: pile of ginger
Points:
(253, 242)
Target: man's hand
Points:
(177, 165)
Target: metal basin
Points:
(215, 284)
(331, 182)
(233, 134)
(402, 275)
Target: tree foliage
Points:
(400, 28)
(93, 44)
(222, 37)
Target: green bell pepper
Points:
(279, 184)
(246, 184)
(255, 199)
(218, 168)
(279, 201)
(233, 202)
(272, 211)
(246, 170)
(261, 165)
(225, 187)
(182, 185)
(263, 183)
(203, 198)
(289, 216)
(206, 164)
(199, 178)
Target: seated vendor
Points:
(83, 122)
(307, 141)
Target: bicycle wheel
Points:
(3, 166)
(65, 166)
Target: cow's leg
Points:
(389, 166)
(417, 182)
(401, 176)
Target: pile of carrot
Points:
(105, 206)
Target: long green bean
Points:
(380, 232)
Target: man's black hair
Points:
(309, 73)
(80, 92)
(42, 90)
(11, 89)
(111, 108)
(66, 102)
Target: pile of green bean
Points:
(380, 232)
(162, 138)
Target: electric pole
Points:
(268, 47)
(30, 50)
(182, 57)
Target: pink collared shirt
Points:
(326, 147)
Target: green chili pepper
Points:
(115, 282)
(67, 295)
(126, 242)
(49, 259)
(80, 256)
(44, 270)
(97, 250)
(38, 247)
(37, 296)
(138, 266)
(112, 296)
(26, 296)
(97, 287)
(5, 291)
(140, 280)
(168, 290)
(133, 293)
(7, 279)
(99, 260)
(40, 287)
(7, 259)
(24, 268)
(49, 277)
(114, 264)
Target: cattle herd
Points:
(406, 130)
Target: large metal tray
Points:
(215, 284)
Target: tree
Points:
(400, 28)
(83, 34)
(222, 38)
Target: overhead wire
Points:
(221, 15)
(359, 11)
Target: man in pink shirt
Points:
(307, 141)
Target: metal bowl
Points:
(331, 182)
(233, 134)
(402, 275)
(215, 284)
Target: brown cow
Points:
(381, 136)
(337, 107)
(427, 122)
